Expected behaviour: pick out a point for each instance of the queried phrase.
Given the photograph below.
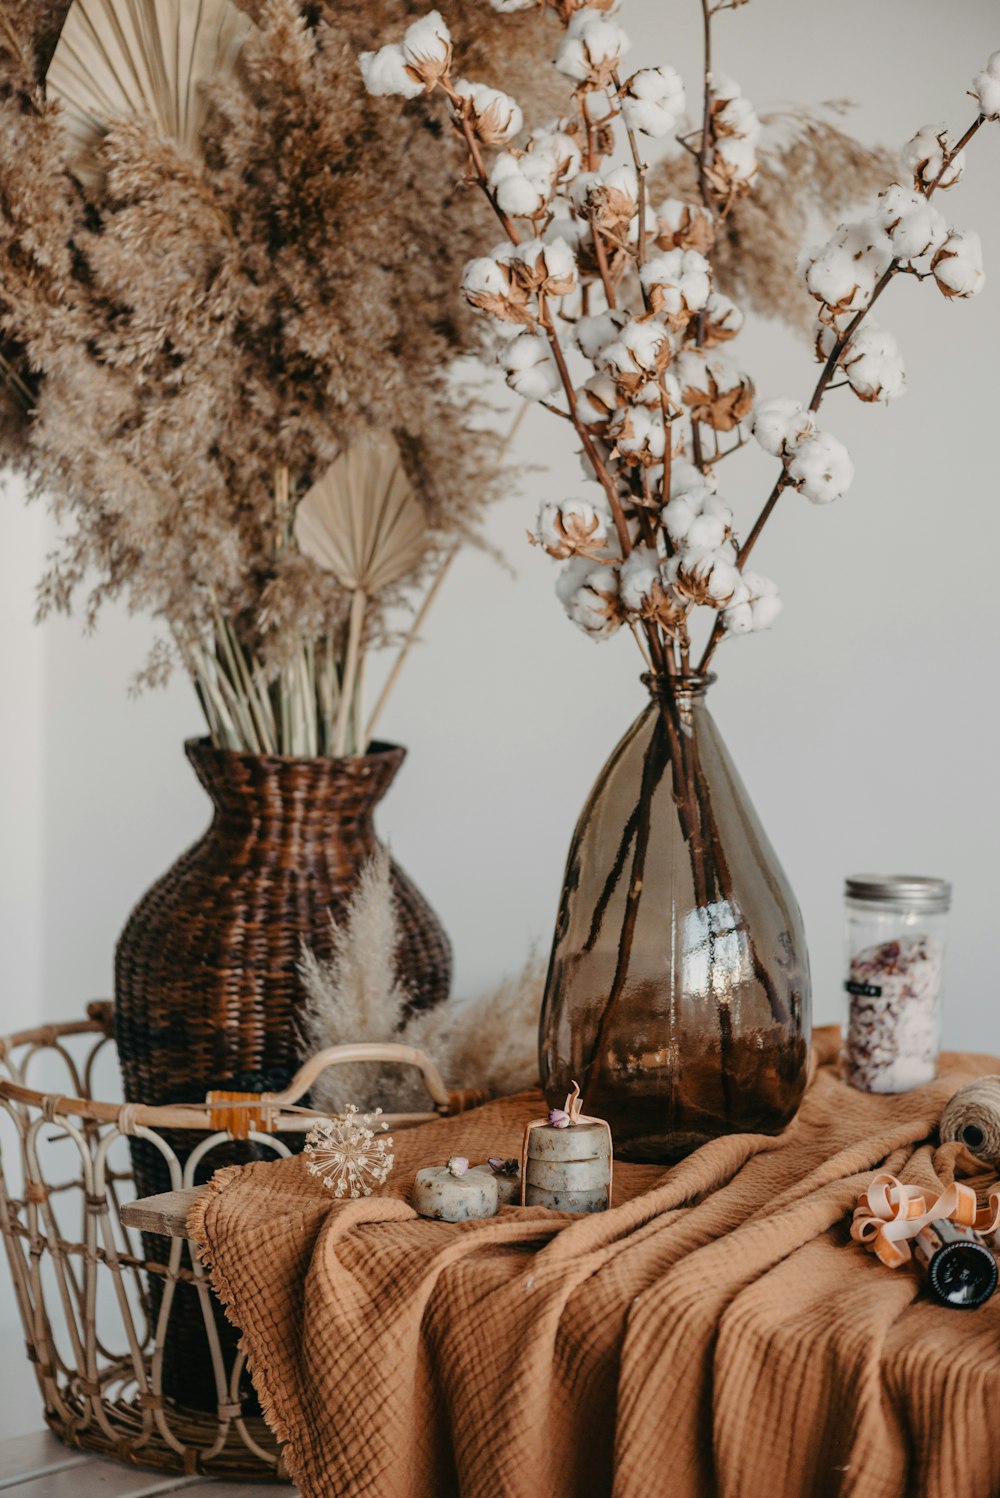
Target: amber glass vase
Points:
(678, 988)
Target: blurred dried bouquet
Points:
(228, 333)
(611, 306)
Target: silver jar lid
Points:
(916, 890)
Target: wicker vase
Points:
(207, 991)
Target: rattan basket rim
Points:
(281, 1114)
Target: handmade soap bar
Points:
(567, 1161)
(507, 1178)
(567, 1200)
(439, 1193)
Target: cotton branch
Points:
(842, 343)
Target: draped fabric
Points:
(716, 1332)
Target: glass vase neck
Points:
(690, 685)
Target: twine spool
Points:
(973, 1119)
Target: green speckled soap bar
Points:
(440, 1194)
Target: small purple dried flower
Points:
(458, 1165)
(559, 1118)
(501, 1167)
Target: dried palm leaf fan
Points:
(121, 58)
(362, 522)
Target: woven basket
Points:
(207, 991)
(94, 1333)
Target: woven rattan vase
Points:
(207, 991)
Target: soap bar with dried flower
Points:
(506, 1174)
(454, 1193)
(567, 1160)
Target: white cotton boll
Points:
(766, 609)
(385, 72)
(637, 348)
(736, 118)
(873, 364)
(623, 179)
(986, 87)
(707, 531)
(427, 40)
(560, 263)
(821, 468)
(678, 282)
(654, 101)
(925, 157)
(573, 527)
(843, 272)
(589, 594)
(645, 341)
(649, 224)
(639, 432)
(685, 476)
(958, 264)
(522, 185)
(560, 147)
(531, 370)
(678, 517)
(737, 619)
(723, 319)
(739, 156)
(484, 277)
(496, 117)
(711, 569)
(756, 604)
(592, 48)
(597, 399)
(912, 223)
(640, 573)
(686, 226)
(596, 330)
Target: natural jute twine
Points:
(973, 1118)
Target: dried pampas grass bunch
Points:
(220, 277)
(488, 1043)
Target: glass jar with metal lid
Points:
(895, 966)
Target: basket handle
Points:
(374, 1051)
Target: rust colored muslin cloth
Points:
(715, 1332)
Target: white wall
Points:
(865, 725)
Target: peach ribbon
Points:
(889, 1214)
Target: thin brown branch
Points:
(706, 119)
